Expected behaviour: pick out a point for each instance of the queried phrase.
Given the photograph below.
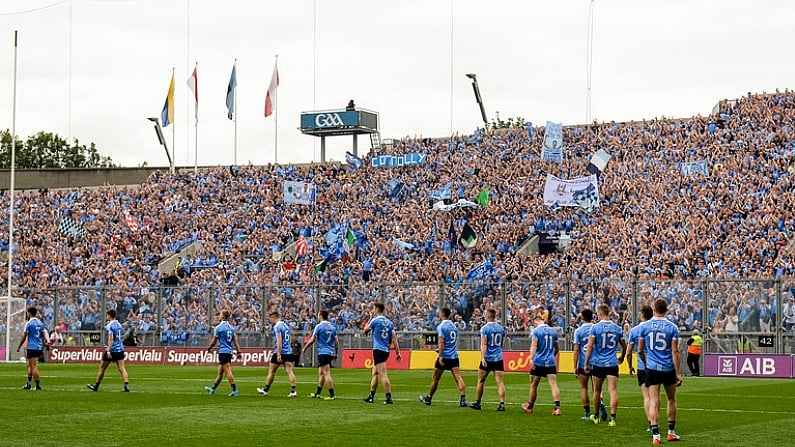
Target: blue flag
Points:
(353, 160)
(230, 92)
(481, 271)
(395, 187)
(445, 192)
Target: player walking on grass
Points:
(632, 345)
(383, 334)
(604, 342)
(491, 336)
(282, 355)
(328, 347)
(224, 334)
(658, 346)
(543, 349)
(586, 385)
(33, 334)
(114, 352)
(447, 334)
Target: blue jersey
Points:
(581, 338)
(115, 328)
(35, 328)
(382, 332)
(282, 328)
(606, 336)
(658, 335)
(226, 334)
(634, 336)
(325, 333)
(493, 333)
(546, 341)
(448, 330)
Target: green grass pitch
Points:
(168, 406)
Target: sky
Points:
(94, 70)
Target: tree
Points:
(46, 150)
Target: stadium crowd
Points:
(658, 229)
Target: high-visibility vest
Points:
(695, 346)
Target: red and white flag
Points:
(193, 85)
(270, 98)
(131, 224)
(301, 246)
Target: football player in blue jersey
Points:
(114, 352)
(328, 347)
(658, 347)
(543, 349)
(605, 342)
(33, 334)
(282, 355)
(447, 334)
(384, 334)
(632, 345)
(491, 336)
(225, 336)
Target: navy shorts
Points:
(581, 372)
(497, 365)
(223, 359)
(665, 378)
(323, 360)
(33, 353)
(380, 356)
(286, 358)
(604, 371)
(114, 356)
(449, 364)
(543, 371)
(641, 377)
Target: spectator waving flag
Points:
(395, 186)
(445, 192)
(167, 115)
(353, 160)
(481, 271)
(301, 246)
(587, 199)
(270, 97)
(483, 197)
(131, 224)
(468, 236)
(230, 92)
(553, 142)
(71, 228)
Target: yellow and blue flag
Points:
(167, 115)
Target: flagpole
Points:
(234, 101)
(196, 124)
(173, 132)
(276, 122)
(11, 205)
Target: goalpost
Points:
(12, 316)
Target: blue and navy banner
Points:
(299, 193)
(353, 160)
(580, 191)
(486, 268)
(694, 167)
(397, 161)
(552, 149)
(445, 192)
(395, 187)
